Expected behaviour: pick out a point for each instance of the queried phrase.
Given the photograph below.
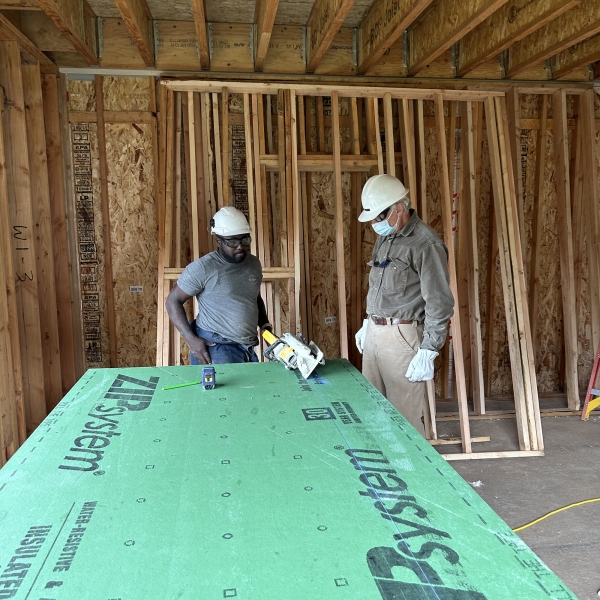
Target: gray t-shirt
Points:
(227, 295)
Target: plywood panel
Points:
(134, 251)
(128, 93)
(82, 95)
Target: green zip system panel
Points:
(268, 487)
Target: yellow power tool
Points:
(293, 352)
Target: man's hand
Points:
(421, 366)
(199, 348)
(266, 327)
(360, 336)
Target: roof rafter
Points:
(77, 22)
(509, 24)
(138, 20)
(9, 32)
(442, 26)
(264, 19)
(579, 55)
(383, 25)
(200, 22)
(325, 20)
(574, 26)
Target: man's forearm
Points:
(263, 318)
(178, 317)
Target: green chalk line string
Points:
(180, 385)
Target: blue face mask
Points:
(383, 228)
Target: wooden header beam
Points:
(383, 25)
(252, 87)
(326, 18)
(77, 22)
(264, 19)
(506, 26)
(574, 26)
(138, 20)
(444, 25)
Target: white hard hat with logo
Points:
(229, 221)
(379, 193)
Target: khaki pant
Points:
(387, 352)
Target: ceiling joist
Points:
(138, 20)
(443, 25)
(325, 20)
(201, 31)
(77, 22)
(572, 27)
(384, 24)
(509, 24)
(264, 19)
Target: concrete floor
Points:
(523, 489)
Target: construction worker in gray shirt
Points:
(409, 302)
(226, 283)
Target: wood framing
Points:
(470, 222)
(77, 22)
(572, 27)
(41, 214)
(23, 237)
(326, 18)
(9, 32)
(565, 237)
(591, 202)
(12, 411)
(264, 20)
(514, 125)
(138, 20)
(305, 124)
(384, 24)
(536, 225)
(60, 230)
(201, 32)
(438, 29)
(448, 238)
(339, 225)
(510, 23)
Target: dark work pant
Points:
(224, 351)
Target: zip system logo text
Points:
(131, 394)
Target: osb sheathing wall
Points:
(130, 158)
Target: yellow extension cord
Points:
(553, 512)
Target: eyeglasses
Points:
(235, 242)
(382, 215)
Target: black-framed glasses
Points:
(382, 216)
(235, 242)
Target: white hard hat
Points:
(229, 221)
(379, 193)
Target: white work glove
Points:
(360, 336)
(421, 366)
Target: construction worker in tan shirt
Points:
(409, 302)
